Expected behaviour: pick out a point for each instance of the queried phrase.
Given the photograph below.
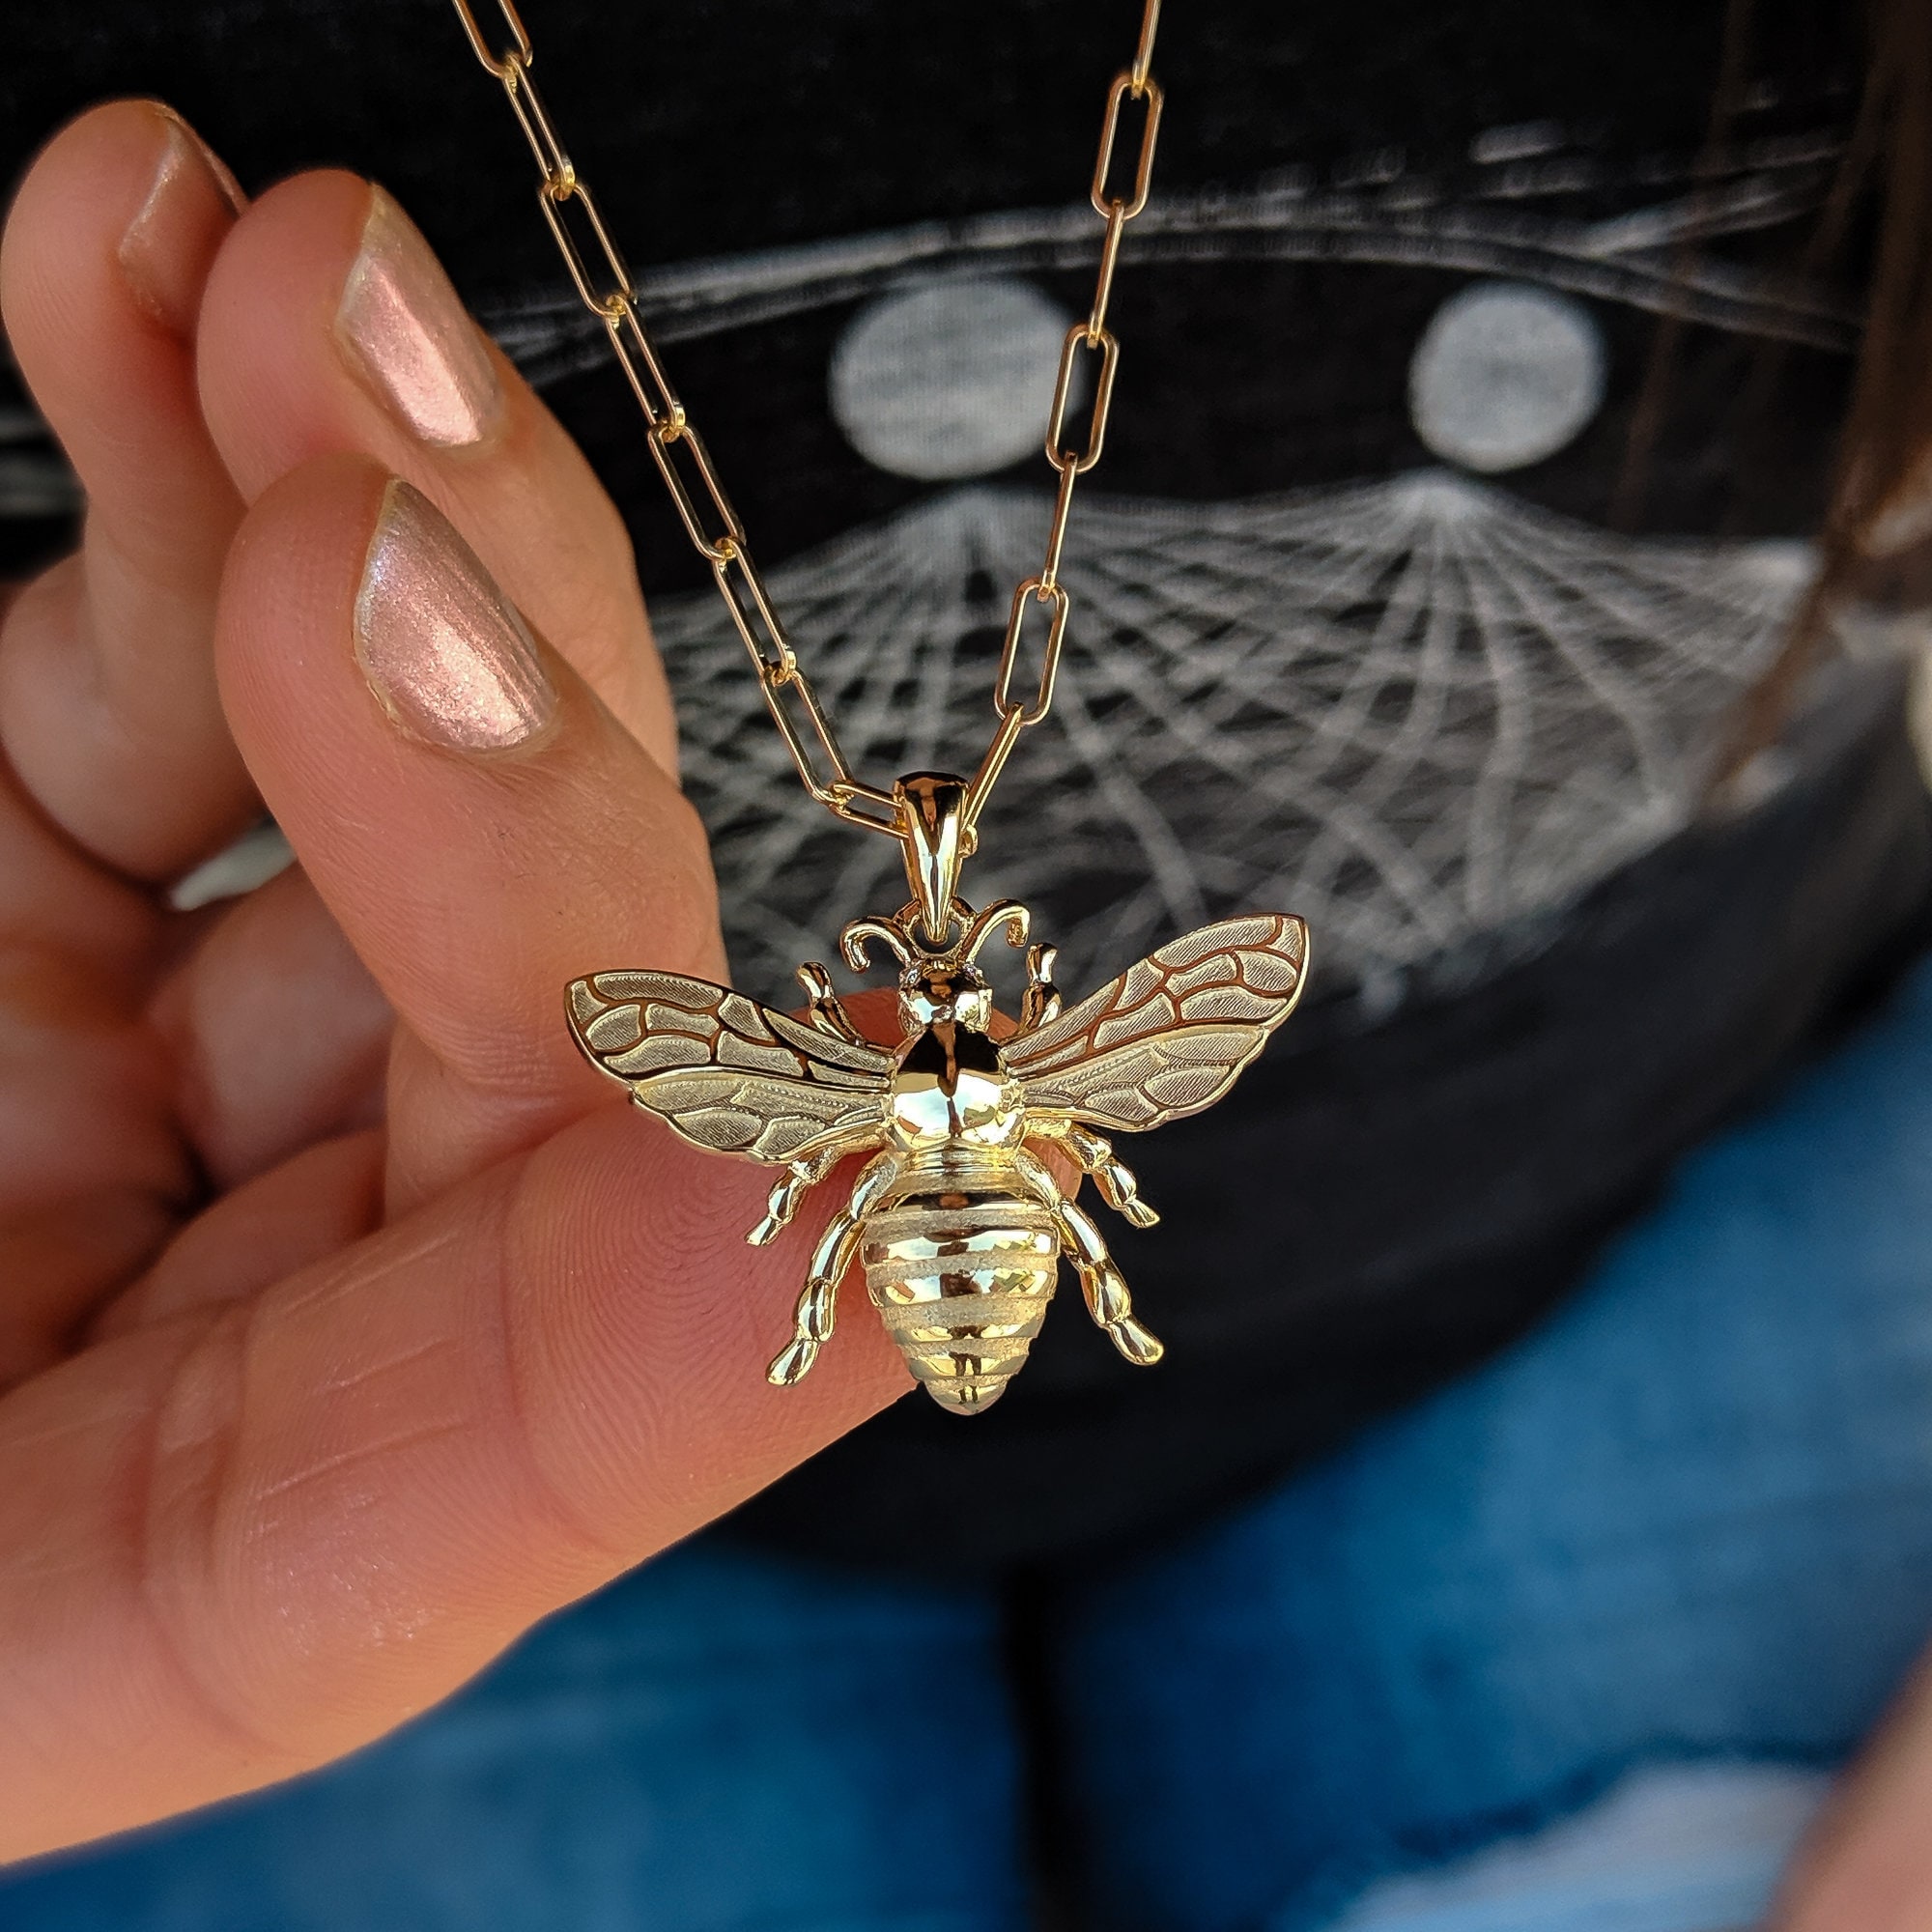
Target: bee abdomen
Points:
(962, 1281)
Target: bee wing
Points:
(1169, 1035)
(726, 1072)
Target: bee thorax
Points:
(952, 1089)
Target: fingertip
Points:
(289, 587)
(107, 709)
(271, 292)
(126, 207)
(643, 1335)
(328, 324)
(167, 249)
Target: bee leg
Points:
(817, 1302)
(822, 1007)
(1041, 1001)
(1112, 1175)
(1108, 1301)
(798, 1180)
(780, 1206)
(836, 1250)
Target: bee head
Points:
(945, 990)
(938, 984)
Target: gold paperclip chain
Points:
(719, 536)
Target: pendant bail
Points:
(932, 832)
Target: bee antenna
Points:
(855, 942)
(1009, 913)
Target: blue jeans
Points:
(1569, 1646)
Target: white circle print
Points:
(949, 381)
(1505, 374)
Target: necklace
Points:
(956, 1217)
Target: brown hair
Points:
(1876, 538)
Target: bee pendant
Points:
(956, 1217)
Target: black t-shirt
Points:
(1388, 610)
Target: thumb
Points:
(240, 1541)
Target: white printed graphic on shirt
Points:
(1417, 710)
(1421, 712)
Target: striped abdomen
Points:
(961, 1274)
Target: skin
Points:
(349, 1323)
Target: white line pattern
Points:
(1416, 712)
(1491, 225)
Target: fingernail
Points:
(406, 330)
(165, 251)
(445, 653)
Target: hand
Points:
(347, 1326)
(1868, 1865)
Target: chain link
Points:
(712, 524)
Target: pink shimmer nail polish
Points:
(407, 330)
(443, 650)
(165, 249)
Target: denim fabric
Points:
(1669, 1847)
(714, 1742)
(1691, 1518)
(1684, 1531)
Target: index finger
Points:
(330, 325)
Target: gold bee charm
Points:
(957, 1218)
